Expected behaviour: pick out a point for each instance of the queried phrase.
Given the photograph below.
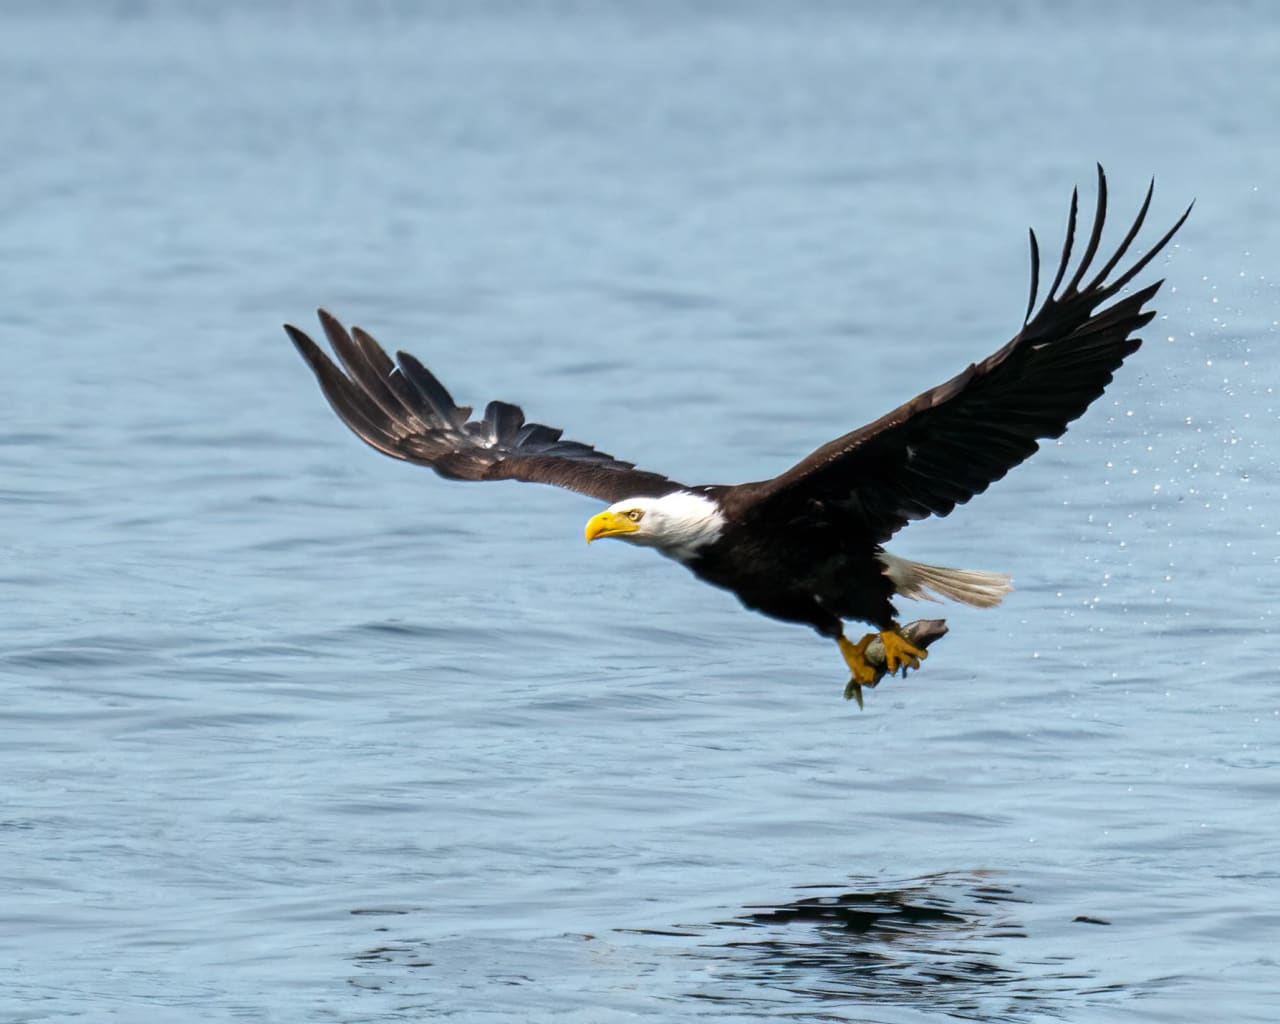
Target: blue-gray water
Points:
(292, 732)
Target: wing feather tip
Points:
(1035, 273)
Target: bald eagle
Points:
(807, 545)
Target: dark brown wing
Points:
(401, 409)
(948, 444)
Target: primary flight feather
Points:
(807, 545)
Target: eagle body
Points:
(807, 570)
(813, 570)
(807, 545)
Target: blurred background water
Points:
(294, 732)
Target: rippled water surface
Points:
(294, 732)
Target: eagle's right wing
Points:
(401, 409)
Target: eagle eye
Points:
(635, 515)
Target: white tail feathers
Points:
(933, 582)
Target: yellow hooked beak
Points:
(609, 524)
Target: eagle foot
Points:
(864, 673)
(868, 658)
(899, 652)
(855, 657)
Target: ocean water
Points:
(293, 732)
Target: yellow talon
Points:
(864, 673)
(877, 655)
(899, 652)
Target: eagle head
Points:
(677, 524)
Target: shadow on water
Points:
(943, 943)
(950, 944)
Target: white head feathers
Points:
(677, 524)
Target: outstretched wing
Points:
(949, 443)
(401, 409)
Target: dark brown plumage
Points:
(401, 409)
(805, 545)
(949, 443)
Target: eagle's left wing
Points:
(951, 442)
